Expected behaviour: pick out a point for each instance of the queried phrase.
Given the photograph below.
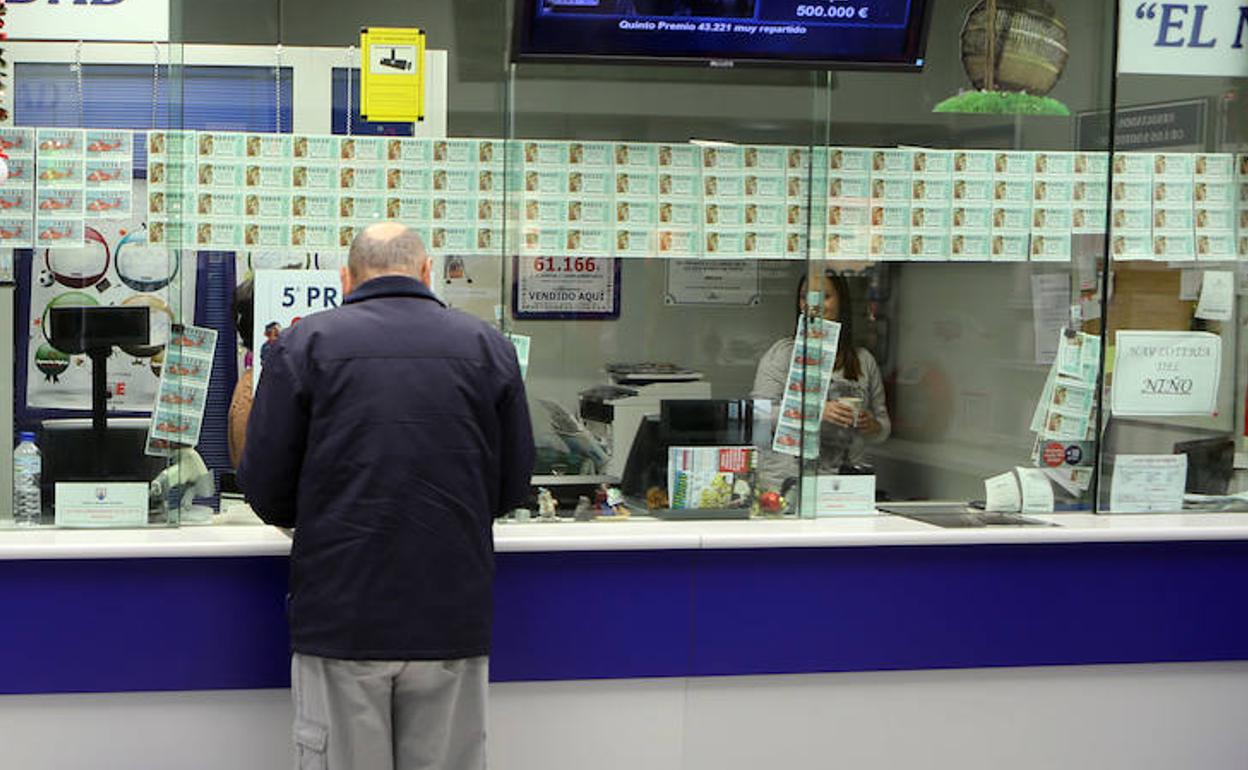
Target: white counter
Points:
(241, 534)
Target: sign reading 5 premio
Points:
(1184, 38)
(1166, 373)
(145, 20)
(283, 297)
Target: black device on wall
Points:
(95, 331)
(854, 34)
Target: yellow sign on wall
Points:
(392, 74)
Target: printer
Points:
(614, 411)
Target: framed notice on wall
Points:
(565, 288)
(712, 282)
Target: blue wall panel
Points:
(592, 615)
(143, 624)
(867, 609)
(188, 624)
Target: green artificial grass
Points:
(1002, 103)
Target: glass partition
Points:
(982, 225)
(1175, 353)
(121, 359)
(662, 225)
(960, 251)
(738, 290)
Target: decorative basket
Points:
(1031, 46)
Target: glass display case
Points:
(960, 262)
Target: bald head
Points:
(387, 248)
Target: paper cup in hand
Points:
(854, 403)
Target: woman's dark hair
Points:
(245, 312)
(846, 350)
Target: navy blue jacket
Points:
(389, 432)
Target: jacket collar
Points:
(391, 286)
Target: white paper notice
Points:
(1217, 296)
(1037, 491)
(1050, 304)
(1001, 494)
(840, 495)
(1148, 483)
(1189, 285)
(1166, 373)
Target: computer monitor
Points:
(707, 422)
(1210, 464)
(683, 422)
(72, 451)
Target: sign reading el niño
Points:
(1191, 38)
(89, 20)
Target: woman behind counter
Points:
(240, 403)
(846, 431)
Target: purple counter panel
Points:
(192, 624)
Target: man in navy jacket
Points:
(389, 433)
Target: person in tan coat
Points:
(240, 403)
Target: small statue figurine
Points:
(546, 505)
(615, 502)
(584, 509)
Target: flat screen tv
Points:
(824, 34)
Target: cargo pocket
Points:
(311, 741)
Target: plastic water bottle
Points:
(27, 467)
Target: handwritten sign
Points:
(1208, 38)
(1166, 373)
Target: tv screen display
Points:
(832, 34)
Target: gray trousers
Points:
(382, 715)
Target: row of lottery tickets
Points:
(58, 179)
(234, 190)
(689, 201)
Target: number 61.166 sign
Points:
(566, 288)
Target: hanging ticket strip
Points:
(1063, 418)
(806, 388)
(59, 178)
(603, 199)
(178, 415)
